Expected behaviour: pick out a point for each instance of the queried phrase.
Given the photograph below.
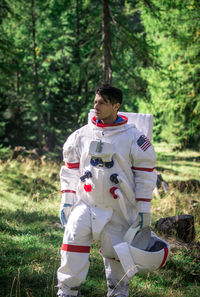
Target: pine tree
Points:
(173, 30)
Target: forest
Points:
(53, 56)
(54, 53)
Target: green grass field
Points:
(31, 235)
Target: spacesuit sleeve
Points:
(69, 173)
(143, 163)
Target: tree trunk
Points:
(35, 74)
(107, 71)
(50, 141)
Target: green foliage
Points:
(130, 53)
(5, 153)
(173, 30)
(55, 65)
(54, 92)
(51, 63)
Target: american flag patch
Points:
(143, 142)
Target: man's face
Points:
(105, 110)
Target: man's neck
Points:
(109, 121)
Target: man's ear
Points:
(116, 107)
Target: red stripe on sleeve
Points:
(72, 165)
(165, 256)
(68, 191)
(75, 248)
(142, 169)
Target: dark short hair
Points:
(113, 94)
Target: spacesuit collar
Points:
(125, 120)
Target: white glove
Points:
(143, 220)
(65, 210)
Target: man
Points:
(106, 186)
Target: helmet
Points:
(140, 255)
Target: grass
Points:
(31, 235)
(177, 165)
(181, 170)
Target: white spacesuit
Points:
(106, 184)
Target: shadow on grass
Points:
(21, 221)
(19, 183)
(174, 277)
(26, 283)
(187, 186)
(30, 267)
(29, 257)
(175, 157)
(166, 170)
(33, 264)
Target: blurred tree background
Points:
(53, 55)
